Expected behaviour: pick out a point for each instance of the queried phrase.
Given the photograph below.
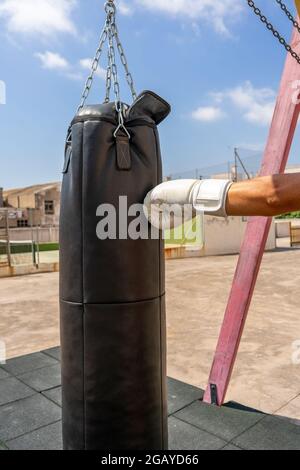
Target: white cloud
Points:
(256, 104)
(124, 8)
(52, 61)
(208, 114)
(56, 62)
(216, 12)
(43, 17)
(86, 64)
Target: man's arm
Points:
(265, 196)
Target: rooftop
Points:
(30, 414)
(17, 192)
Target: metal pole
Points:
(275, 158)
(38, 245)
(8, 239)
(242, 164)
(235, 167)
(32, 238)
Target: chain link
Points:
(110, 34)
(124, 61)
(94, 67)
(108, 82)
(275, 33)
(288, 14)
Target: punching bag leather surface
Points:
(112, 291)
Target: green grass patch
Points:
(289, 215)
(186, 235)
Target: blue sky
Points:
(211, 59)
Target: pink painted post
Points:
(275, 158)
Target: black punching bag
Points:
(112, 292)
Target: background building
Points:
(37, 205)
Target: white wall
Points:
(225, 236)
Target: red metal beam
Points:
(275, 158)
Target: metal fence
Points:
(30, 246)
(245, 164)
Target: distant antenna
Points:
(238, 159)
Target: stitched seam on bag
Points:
(125, 157)
(82, 268)
(160, 306)
(115, 303)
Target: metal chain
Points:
(124, 61)
(108, 82)
(275, 33)
(114, 72)
(288, 14)
(113, 65)
(94, 67)
(110, 32)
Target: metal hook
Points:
(121, 126)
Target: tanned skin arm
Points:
(265, 196)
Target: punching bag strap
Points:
(123, 151)
(68, 151)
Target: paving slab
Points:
(46, 438)
(28, 363)
(272, 433)
(55, 395)
(2, 446)
(24, 416)
(32, 422)
(3, 374)
(231, 447)
(53, 352)
(11, 389)
(183, 436)
(43, 379)
(181, 394)
(291, 410)
(265, 376)
(227, 422)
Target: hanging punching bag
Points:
(112, 302)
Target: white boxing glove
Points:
(174, 202)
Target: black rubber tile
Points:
(181, 394)
(12, 389)
(53, 352)
(46, 438)
(231, 447)
(43, 379)
(3, 374)
(183, 436)
(27, 415)
(54, 395)
(23, 364)
(272, 433)
(227, 422)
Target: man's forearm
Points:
(265, 196)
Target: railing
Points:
(295, 235)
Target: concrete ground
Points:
(265, 378)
